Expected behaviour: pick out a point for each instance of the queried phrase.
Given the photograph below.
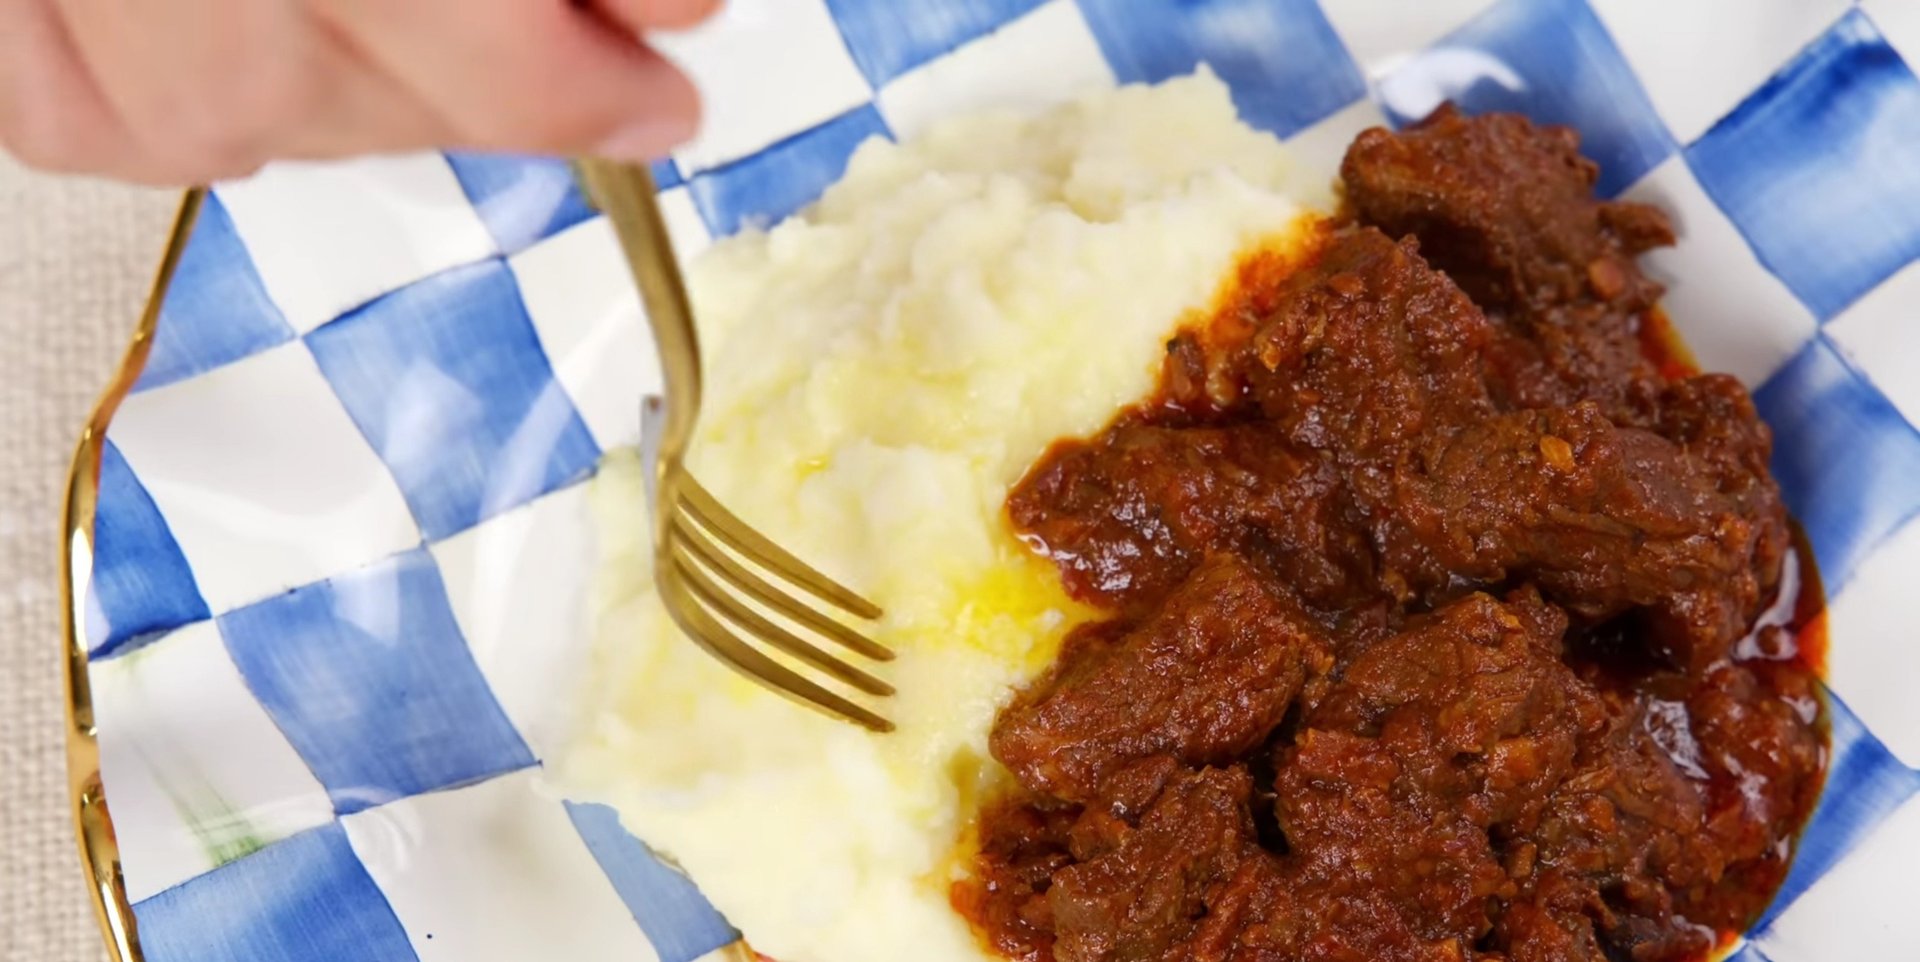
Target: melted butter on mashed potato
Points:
(881, 369)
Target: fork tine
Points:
(706, 631)
(688, 520)
(758, 626)
(741, 537)
(740, 577)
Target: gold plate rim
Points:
(92, 821)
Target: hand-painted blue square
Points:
(1846, 460)
(520, 199)
(523, 200)
(1282, 60)
(216, 310)
(760, 190)
(888, 38)
(1820, 168)
(447, 380)
(677, 919)
(303, 899)
(1865, 783)
(1551, 60)
(141, 582)
(370, 679)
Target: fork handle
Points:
(625, 193)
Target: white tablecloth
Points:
(75, 260)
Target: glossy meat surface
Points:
(1204, 679)
(1506, 209)
(1434, 607)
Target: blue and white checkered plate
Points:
(337, 601)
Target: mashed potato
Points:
(882, 368)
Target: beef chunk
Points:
(1204, 679)
(1429, 743)
(1712, 418)
(1506, 209)
(1606, 519)
(1617, 839)
(1367, 349)
(1752, 731)
(1023, 842)
(1150, 890)
(1128, 515)
(1533, 933)
(1475, 703)
(1363, 831)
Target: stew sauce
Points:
(1448, 620)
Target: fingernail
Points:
(647, 139)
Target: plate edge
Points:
(92, 822)
(99, 850)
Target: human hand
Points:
(189, 91)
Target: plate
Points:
(328, 551)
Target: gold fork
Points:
(707, 562)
